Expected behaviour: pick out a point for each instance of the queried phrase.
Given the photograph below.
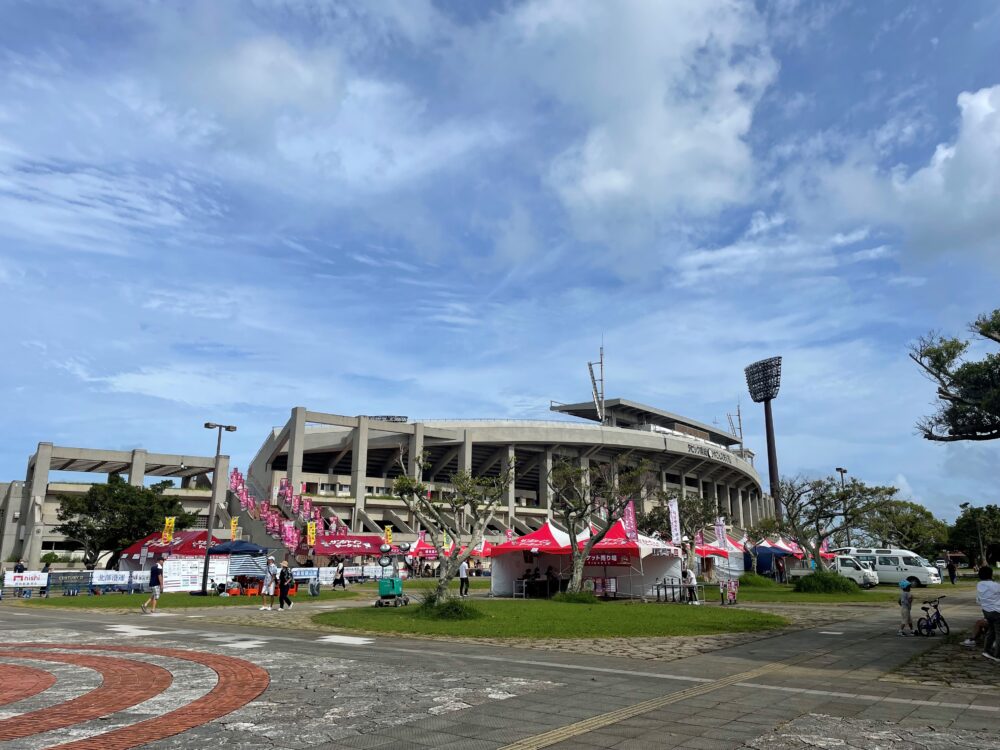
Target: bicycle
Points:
(932, 620)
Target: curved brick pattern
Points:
(18, 682)
(239, 683)
(125, 683)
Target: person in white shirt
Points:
(988, 598)
(270, 578)
(463, 578)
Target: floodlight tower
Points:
(764, 380)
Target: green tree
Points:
(471, 502)
(597, 494)
(906, 525)
(654, 521)
(817, 509)
(975, 524)
(110, 517)
(968, 390)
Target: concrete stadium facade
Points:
(347, 463)
(28, 509)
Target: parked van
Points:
(844, 565)
(895, 565)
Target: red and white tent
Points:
(635, 563)
(189, 543)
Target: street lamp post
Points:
(847, 526)
(211, 501)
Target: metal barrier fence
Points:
(671, 589)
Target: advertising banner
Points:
(302, 573)
(140, 577)
(311, 533)
(388, 534)
(185, 575)
(168, 529)
(29, 579)
(720, 531)
(234, 525)
(628, 520)
(110, 578)
(675, 522)
(601, 559)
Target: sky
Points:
(218, 211)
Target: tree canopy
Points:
(110, 517)
(903, 524)
(816, 509)
(975, 523)
(471, 502)
(968, 390)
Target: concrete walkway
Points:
(336, 691)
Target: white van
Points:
(845, 565)
(895, 565)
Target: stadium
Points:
(346, 464)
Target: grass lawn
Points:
(167, 601)
(424, 584)
(546, 619)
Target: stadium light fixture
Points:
(763, 381)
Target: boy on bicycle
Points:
(988, 597)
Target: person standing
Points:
(155, 587)
(905, 602)
(284, 584)
(779, 567)
(988, 598)
(952, 571)
(267, 590)
(463, 578)
(338, 576)
(690, 586)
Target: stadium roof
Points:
(621, 412)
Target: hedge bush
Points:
(447, 608)
(825, 582)
(755, 580)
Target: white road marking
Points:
(245, 644)
(232, 638)
(830, 632)
(866, 697)
(345, 640)
(194, 617)
(134, 631)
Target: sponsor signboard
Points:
(140, 577)
(181, 574)
(110, 578)
(302, 573)
(608, 558)
(29, 579)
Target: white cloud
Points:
(661, 96)
(948, 205)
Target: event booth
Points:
(185, 544)
(618, 565)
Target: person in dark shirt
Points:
(155, 587)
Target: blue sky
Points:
(222, 210)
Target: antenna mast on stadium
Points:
(736, 426)
(597, 384)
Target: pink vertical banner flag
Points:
(510, 535)
(675, 521)
(628, 519)
(720, 532)
(307, 507)
(699, 537)
(296, 503)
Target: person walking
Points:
(463, 578)
(155, 586)
(267, 590)
(952, 571)
(905, 602)
(284, 584)
(338, 576)
(690, 586)
(988, 598)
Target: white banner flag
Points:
(675, 522)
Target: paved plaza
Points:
(839, 677)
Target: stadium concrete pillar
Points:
(359, 470)
(137, 468)
(684, 486)
(506, 462)
(747, 507)
(739, 507)
(544, 490)
(465, 454)
(296, 444)
(416, 450)
(715, 495)
(37, 484)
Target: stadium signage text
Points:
(388, 418)
(701, 450)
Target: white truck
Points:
(895, 565)
(844, 565)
